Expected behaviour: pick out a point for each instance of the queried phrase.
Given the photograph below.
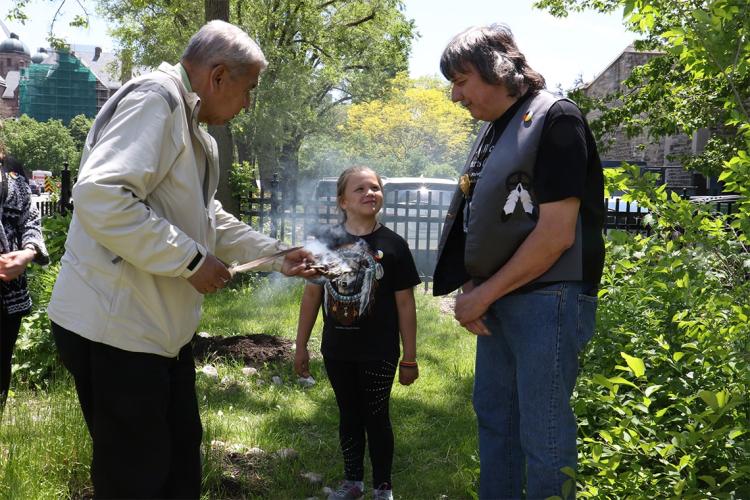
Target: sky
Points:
(560, 49)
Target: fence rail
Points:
(417, 216)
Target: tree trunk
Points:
(216, 9)
(289, 163)
(219, 9)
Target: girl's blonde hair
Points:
(344, 179)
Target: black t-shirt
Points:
(567, 165)
(359, 309)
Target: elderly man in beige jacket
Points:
(147, 240)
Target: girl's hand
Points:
(302, 362)
(407, 374)
(13, 264)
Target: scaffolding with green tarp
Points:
(58, 91)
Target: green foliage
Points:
(79, 127)
(321, 54)
(413, 130)
(40, 145)
(35, 356)
(242, 179)
(662, 400)
(55, 230)
(699, 79)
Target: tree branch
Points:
(313, 45)
(361, 21)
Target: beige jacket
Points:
(144, 208)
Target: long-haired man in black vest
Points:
(523, 240)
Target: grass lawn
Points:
(251, 423)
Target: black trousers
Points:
(10, 324)
(142, 413)
(363, 392)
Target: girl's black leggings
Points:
(363, 391)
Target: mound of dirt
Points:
(253, 349)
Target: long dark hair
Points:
(11, 164)
(492, 50)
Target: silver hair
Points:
(219, 42)
(492, 50)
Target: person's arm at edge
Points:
(312, 297)
(407, 325)
(553, 234)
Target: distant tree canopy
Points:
(413, 130)
(321, 55)
(40, 145)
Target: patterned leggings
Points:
(363, 391)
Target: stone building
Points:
(14, 56)
(664, 153)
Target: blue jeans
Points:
(525, 374)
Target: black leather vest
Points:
(504, 209)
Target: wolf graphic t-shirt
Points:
(359, 308)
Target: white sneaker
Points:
(383, 492)
(348, 490)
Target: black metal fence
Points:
(417, 216)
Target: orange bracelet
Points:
(408, 364)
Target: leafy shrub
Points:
(35, 357)
(662, 401)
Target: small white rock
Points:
(226, 380)
(204, 335)
(210, 371)
(287, 453)
(276, 380)
(238, 448)
(327, 491)
(255, 451)
(313, 477)
(306, 381)
(249, 371)
(259, 381)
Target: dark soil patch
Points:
(253, 349)
(241, 476)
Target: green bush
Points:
(35, 357)
(662, 400)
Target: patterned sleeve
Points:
(31, 224)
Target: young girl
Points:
(364, 310)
